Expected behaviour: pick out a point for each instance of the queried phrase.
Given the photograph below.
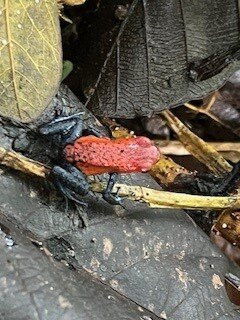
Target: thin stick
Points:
(197, 147)
(206, 112)
(153, 197)
(164, 199)
(206, 109)
(176, 148)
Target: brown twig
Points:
(153, 197)
(197, 147)
(18, 162)
(206, 109)
(176, 148)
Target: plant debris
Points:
(18, 162)
(197, 147)
(229, 150)
(154, 198)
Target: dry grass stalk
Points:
(153, 197)
(164, 199)
(229, 150)
(197, 147)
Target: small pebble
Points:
(9, 242)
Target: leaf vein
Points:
(8, 31)
(147, 50)
(28, 55)
(54, 51)
(30, 82)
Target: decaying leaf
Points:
(197, 147)
(232, 285)
(30, 64)
(142, 65)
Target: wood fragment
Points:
(166, 170)
(228, 225)
(197, 147)
(18, 162)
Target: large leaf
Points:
(30, 64)
(162, 265)
(142, 65)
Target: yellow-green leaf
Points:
(30, 57)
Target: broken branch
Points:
(18, 162)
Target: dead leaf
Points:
(141, 66)
(30, 65)
(232, 286)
